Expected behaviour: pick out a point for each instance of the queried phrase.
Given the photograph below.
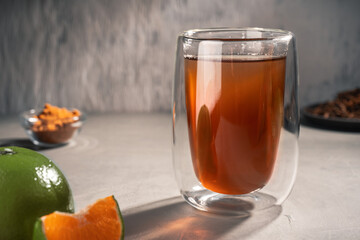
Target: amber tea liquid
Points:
(234, 110)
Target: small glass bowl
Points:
(50, 138)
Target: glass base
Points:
(48, 145)
(242, 205)
(35, 140)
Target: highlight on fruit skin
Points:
(101, 220)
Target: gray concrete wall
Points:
(111, 55)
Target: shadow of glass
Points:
(175, 219)
(25, 143)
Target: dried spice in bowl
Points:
(52, 125)
(345, 105)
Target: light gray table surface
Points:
(129, 156)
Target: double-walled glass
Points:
(235, 118)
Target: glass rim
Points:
(277, 34)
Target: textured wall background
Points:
(119, 55)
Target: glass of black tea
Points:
(235, 118)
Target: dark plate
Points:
(341, 124)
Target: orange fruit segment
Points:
(101, 220)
